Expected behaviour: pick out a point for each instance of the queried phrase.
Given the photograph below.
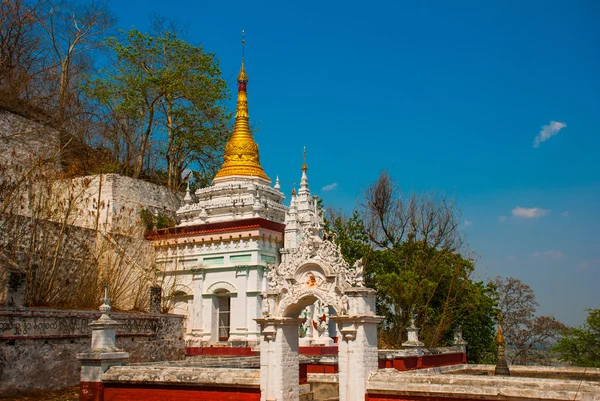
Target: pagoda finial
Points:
(188, 197)
(501, 365)
(243, 44)
(304, 166)
(242, 77)
(277, 186)
(499, 336)
(304, 180)
(241, 153)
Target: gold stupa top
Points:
(499, 336)
(241, 152)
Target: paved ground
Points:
(70, 394)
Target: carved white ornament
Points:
(315, 268)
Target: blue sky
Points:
(445, 95)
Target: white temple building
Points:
(213, 266)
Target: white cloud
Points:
(467, 223)
(583, 267)
(502, 219)
(529, 213)
(547, 132)
(329, 187)
(566, 213)
(549, 255)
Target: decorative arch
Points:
(293, 303)
(221, 285)
(314, 264)
(182, 290)
(316, 271)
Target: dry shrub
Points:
(45, 232)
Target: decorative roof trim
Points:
(209, 228)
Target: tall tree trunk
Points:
(171, 179)
(143, 146)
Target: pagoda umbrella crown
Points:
(241, 153)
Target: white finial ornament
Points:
(304, 181)
(188, 197)
(277, 186)
(105, 307)
(293, 201)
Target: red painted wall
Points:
(178, 393)
(431, 361)
(220, 351)
(312, 368)
(390, 397)
(303, 373)
(91, 391)
(318, 350)
(426, 361)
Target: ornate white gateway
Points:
(315, 271)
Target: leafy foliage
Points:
(441, 295)
(581, 346)
(152, 221)
(163, 96)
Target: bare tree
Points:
(392, 217)
(47, 230)
(72, 30)
(528, 337)
(20, 52)
(422, 274)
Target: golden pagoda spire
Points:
(499, 336)
(241, 153)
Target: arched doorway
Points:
(316, 271)
(222, 311)
(222, 302)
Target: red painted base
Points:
(424, 362)
(220, 351)
(179, 393)
(91, 391)
(313, 368)
(390, 397)
(318, 350)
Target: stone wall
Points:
(22, 140)
(38, 347)
(112, 202)
(477, 382)
(145, 383)
(105, 201)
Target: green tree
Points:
(420, 269)
(349, 234)
(477, 324)
(581, 346)
(164, 92)
(439, 295)
(442, 296)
